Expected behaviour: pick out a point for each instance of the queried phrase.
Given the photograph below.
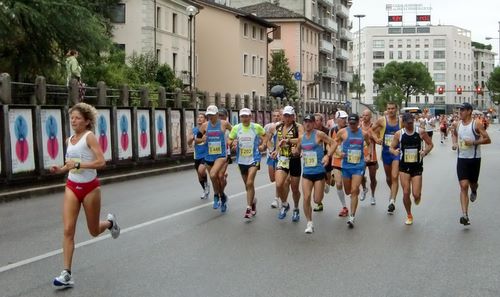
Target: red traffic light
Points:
(479, 90)
(459, 91)
(440, 90)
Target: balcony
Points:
(346, 76)
(342, 54)
(326, 2)
(345, 34)
(330, 24)
(326, 46)
(328, 71)
(341, 10)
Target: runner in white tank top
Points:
(83, 157)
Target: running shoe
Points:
(327, 188)
(363, 194)
(115, 229)
(216, 201)
(464, 220)
(63, 281)
(207, 190)
(254, 207)
(203, 195)
(275, 203)
(223, 203)
(309, 228)
(295, 215)
(409, 220)
(417, 201)
(319, 207)
(283, 210)
(373, 202)
(344, 212)
(350, 222)
(473, 196)
(391, 207)
(248, 214)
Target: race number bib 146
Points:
(214, 148)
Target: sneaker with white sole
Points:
(363, 194)
(327, 188)
(275, 203)
(115, 229)
(65, 280)
(350, 222)
(391, 207)
(207, 190)
(309, 228)
(373, 202)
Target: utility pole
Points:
(358, 88)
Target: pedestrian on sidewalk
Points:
(83, 157)
(74, 71)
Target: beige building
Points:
(231, 51)
(298, 37)
(160, 27)
(483, 66)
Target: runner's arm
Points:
(375, 130)
(484, 137)
(428, 143)
(94, 146)
(393, 149)
(454, 136)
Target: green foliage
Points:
(481, 46)
(389, 94)
(280, 74)
(356, 86)
(411, 78)
(37, 34)
(165, 76)
(493, 85)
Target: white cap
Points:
(212, 110)
(245, 111)
(288, 110)
(341, 114)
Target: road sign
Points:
(297, 75)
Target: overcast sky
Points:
(481, 17)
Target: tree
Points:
(37, 34)
(411, 78)
(356, 86)
(389, 94)
(493, 85)
(280, 74)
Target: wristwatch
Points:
(77, 165)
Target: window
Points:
(174, 23)
(378, 55)
(426, 54)
(377, 66)
(439, 77)
(417, 99)
(439, 43)
(254, 32)
(245, 64)
(426, 43)
(254, 64)
(261, 66)
(378, 44)
(158, 17)
(391, 43)
(262, 34)
(417, 55)
(439, 66)
(277, 33)
(408, 43)
(158, 55)
(118, 14)
(408, 55)
(245, 29)
(391, 55)
(439, 55)
(400, 43)
(400, 55)
(174, 62)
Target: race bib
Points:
(284, 162)
(353, 156)
(214, 148)
(463, 146)
(411, 155)
(388, 139)
(246, 151)
(310, 159)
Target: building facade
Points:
(484, 63)
(159, 27)
(446, 51)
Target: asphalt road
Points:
(174, 244)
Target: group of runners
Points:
(323, 156)
(306, 159)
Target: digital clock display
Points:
(395, 18)
(423, 18)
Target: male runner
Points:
(341, 117)
(318, 125)
(370, 154)
(271, 146)
(200, 151)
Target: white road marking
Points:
(126, 230)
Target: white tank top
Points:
(466, 132)
(80, 152)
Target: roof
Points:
(269, 10)
(237, 12)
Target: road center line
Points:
(126, 230)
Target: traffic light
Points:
(479, 91)
(440, 90)
(459, 91)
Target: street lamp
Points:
(489, 38)
(192, 12)
(358, 89)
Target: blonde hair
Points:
(88, 112)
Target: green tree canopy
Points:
(280, 74)
(37, 34)
(356, 86)
(493, 85)
(411, 78)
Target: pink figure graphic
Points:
(53, 147)
(52, 143)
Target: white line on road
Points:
(126, 230)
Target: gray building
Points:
(484, 63)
